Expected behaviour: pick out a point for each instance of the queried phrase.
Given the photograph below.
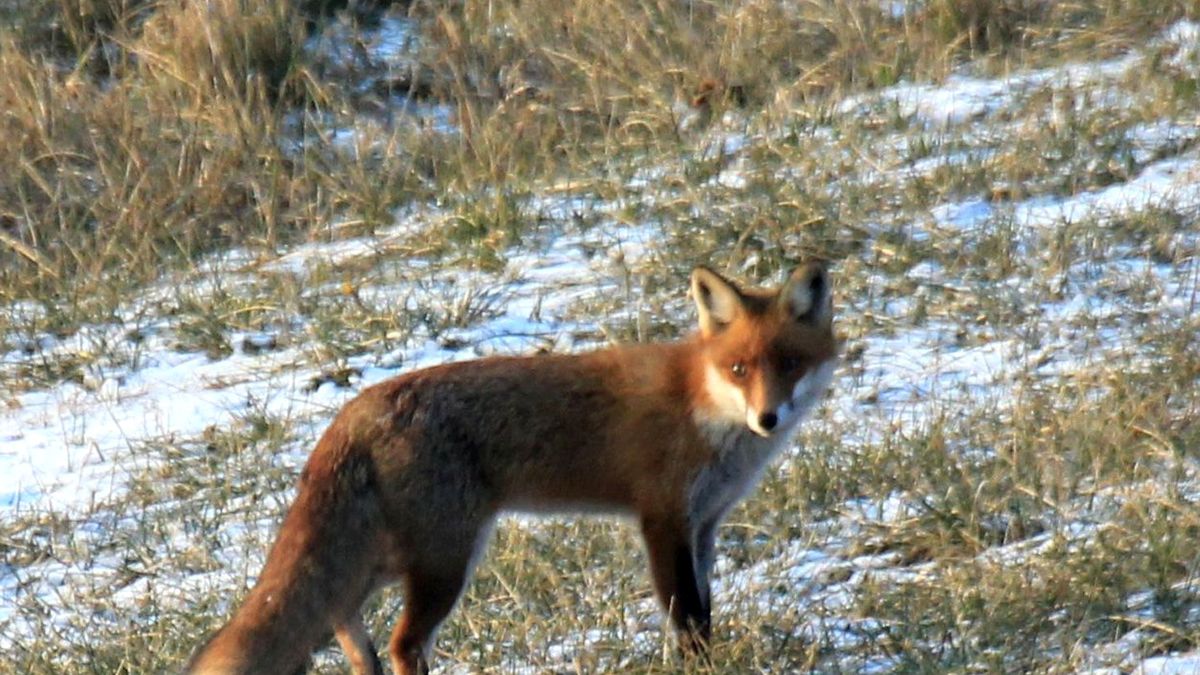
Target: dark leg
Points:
(706, 555)
(673, 567)
(432, 586)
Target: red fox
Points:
(408, 479)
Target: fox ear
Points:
(806, 294)
(717, 301)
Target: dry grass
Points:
(177, 148)
(148, 132)
(1037, 523)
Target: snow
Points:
(66, 446)
(1170, 665)
(71, 441)
(1172, 184)
(964, 98)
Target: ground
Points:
(1005, 476)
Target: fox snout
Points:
(773, 413)
(780, 413)
(765, 407)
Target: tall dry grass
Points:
(148, 132)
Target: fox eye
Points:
(738, 369)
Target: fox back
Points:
(409, 478)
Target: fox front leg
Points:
(669, 546)
(705, 551)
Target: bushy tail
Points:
(317, 574)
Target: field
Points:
(220, 220)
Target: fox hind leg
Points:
(352, 635)
(432, 586)
(429, 596)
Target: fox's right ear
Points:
(717, 301)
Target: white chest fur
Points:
(740, 455)
(739, 460)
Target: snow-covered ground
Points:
(70, 448)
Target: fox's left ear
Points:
(806, 295)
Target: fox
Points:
(405, 484)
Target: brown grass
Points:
(143, 138)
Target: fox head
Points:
(769, 354)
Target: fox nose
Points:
(768, 420)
